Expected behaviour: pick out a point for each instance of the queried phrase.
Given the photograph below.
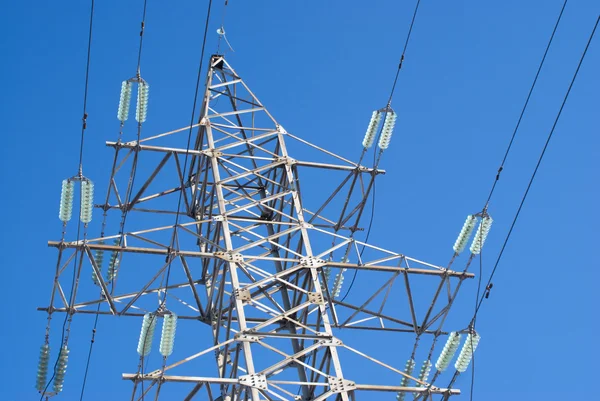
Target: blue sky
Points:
(321, 68)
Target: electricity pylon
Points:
(229, 240)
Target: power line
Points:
(538, 163)
(525, 105)
(83, 128)
(500, 169)
(177, 214)
(126, 209)
(412, 23)
(408, 36)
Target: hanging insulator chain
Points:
(465, 234)
(466, 353)
(327, 274)
(124, 101)
(66, 201)
(113, 263)
(61, 369)
(424, 374)
(146, 334)
(388, 130)
(42, 371)
(408, 369)
(142, 101)
(448, 351)
(480, 236)
(99, 258)
(167, 338)
(372, 130)
(337, 284)
(87, 200)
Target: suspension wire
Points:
(410, 29)
(77, 266)
(177, 214)
(480, 298)
(514, 134)
(189, 139)
(376, 162)
(143, 26)
(126, 209)
(537, 165)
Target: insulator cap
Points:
(42, 371)
(61, 369)
(466, 353)
(87, 200)
(142, 101)
(66, 200)
(372, 130)
(167, 338)
(388, 130)
(146, 334)
(448, 351)
(481, 235)
(124, 101)
(465, 234)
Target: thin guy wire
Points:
(538, 164)
(525, 105)
(87, 70)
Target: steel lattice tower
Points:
(250, 258)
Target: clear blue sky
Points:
(321, 68)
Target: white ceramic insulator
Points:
(167, 339)
(146, 334)
(60, 369)
(66, 201)
(87, 201)
(424, 374)
(465, 234)
(466, 353)
(408, 369)
(448, 351)
(372, 130)
(337, 284)
(124, 101)
(142, 102)
(42, 372)
(481, 235)
(388, 130)
(327, 274)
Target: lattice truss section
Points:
(255, 261)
